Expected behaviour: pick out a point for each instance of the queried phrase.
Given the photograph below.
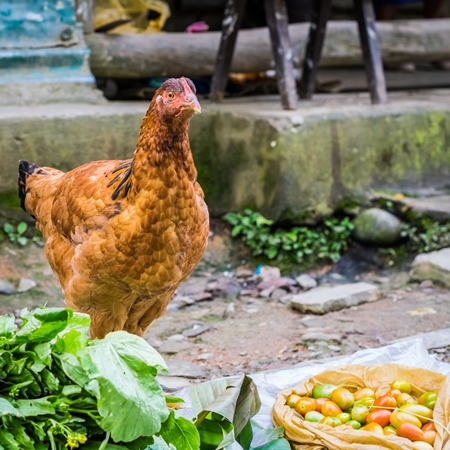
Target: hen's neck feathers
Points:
(163, 145)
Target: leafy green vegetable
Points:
(62, 391)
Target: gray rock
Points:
(265, 293)
(436, 208)
(377, 227)
(6, 288)
(25, 284)
(432, 339)
(268, 272)
(321, 300)
(277, 294)
(180, 368)
(433, 266)
(306, 281)
(172, 346)
(201, 296)
(196, 330)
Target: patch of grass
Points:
(326, 242)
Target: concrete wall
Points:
(299, 165)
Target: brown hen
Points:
(122, 235)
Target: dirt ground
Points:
(224, 326)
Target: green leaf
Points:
(7, 326)
(35, 407)
(21, 228)
(235, 399)
(263, 436)
(160, 444)
(7, 441)
(6, 408)
(8, 228)
(123, 369)
(215, 434)
(22, 241)
(180, 432)
(42, 324)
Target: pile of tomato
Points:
(395, 413)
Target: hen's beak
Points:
(191, 102)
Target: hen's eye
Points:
(170, 95)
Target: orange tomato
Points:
(373, 427)
(394, 393)
(330, 408)
(429, 437)
(429, 427)
(399, 417)
(320, 402)
(410, 431)
(381, 417)
(385, 401)
(343, 398)
(363, 393)
(305, 405)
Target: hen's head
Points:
(175, 100)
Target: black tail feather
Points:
(25, 169)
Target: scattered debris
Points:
(421, 311)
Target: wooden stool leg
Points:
(365, 15)
(277, 21)
(320, 15)
(234, 12)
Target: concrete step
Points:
(250, 153)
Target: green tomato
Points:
(366, 401)
(323, 391)
(314, 416)
(428, 399)
(344, 417)
(355, 424)
(360, 413)
(401, 385)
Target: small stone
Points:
(306, 281)
(426, 284)
(180, 301)
(172, 347)
(26, 284)
(265, 293)
(205, 356)
(180, 368)
(196, 330)
(6, 288)
(243, 273)
(249, 292)
(176, 337)
(321, 300)
(278, 293)
(319, 336)
(377, 227)
(243, 354)
(434, 266)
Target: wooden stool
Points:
(277, 22)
